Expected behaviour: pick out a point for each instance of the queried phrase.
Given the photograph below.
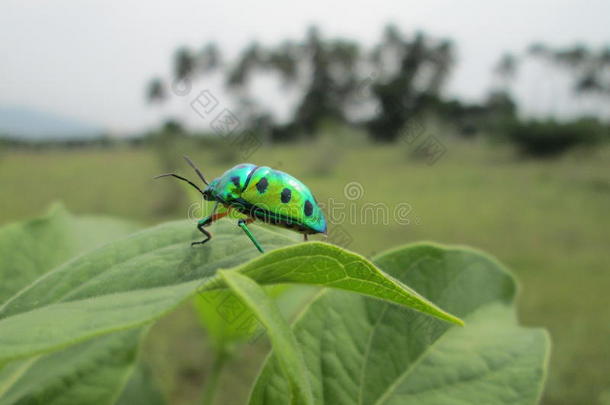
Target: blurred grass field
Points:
(547, 220)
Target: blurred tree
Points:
(538, 49)
(323, 69)
(506, 70)
(210, 58)
(156, 91)
(499, 109)
(285, 60)
(409, 77)
(319, 100)
(443, 59)
(405, 92)
(184, 64)
(166, 149)
(251, 58)
(590, 68)
(551, 138)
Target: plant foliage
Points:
(81, 303)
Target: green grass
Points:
(546, 220)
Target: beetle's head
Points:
(209, 193)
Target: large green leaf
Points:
(364, 351)
(29, 249)
(136, 280)
(159, 257)
(289, 356)
(124, 284)
(92, 372)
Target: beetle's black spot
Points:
(308, 208)
(286, 195)
(262, 185)
(235, 180)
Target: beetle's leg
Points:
(305, 237)
(208, 235)
(243, 224)
(207, 221)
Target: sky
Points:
(91, 59)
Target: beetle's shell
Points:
(271, 196)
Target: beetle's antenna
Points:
(196, 169)
(181, 178)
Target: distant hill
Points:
(27, 123)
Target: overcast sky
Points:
(91, 59)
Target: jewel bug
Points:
(261, 193)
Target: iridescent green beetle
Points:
(262, 193)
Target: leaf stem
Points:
(211, 385)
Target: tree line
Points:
(337, 79)
(383, 87)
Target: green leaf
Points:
(124, 284)
(285, 346)
(225, 332)
(29, 249)
(364, 351)
(322, 264)
(88, 373)
(134, 281)
(82, 373)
